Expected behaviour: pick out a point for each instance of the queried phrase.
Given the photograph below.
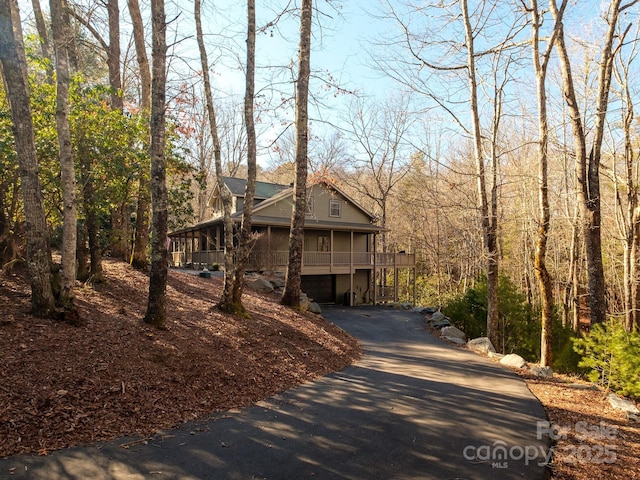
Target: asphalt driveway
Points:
(413, 407)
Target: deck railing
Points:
(279, 259)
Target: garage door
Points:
(320, 287)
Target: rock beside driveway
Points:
(539, 371)
(481, 345)
(456, 340)
(513, 360)
(452, 331)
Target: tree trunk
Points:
(140, 258)
(540, 262)
(291, 293)
(45, 47)
(82, 253)
(489, 231)
(61, 38)
(113, 54)
(634, 321)
(244, 246)
(588, 168)
(226, 301)
(156, 308)
(14, 70)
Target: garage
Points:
(320, 287)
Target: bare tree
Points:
(141, 241)
(87, 17)
(156, 314)
(440, 62)
(14, 72)
(628, 206)
(226, 300)
(291, 293)
(244, 242)
(61, 40)
(489, 218)
(45, 46)
(588, 164)
(540, 64)
(379, 131)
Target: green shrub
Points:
(612, 356)
(565, 357)
(520, 327)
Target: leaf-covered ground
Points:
(594, 441)
(62, 385)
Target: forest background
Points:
(437, 132)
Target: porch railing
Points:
(279, 259)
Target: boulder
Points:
(405, 305)
(451, 331)
(481, 345)
(277, 282)
(513, 360)
(437, 316)
(539, 371)
(429, 310)
(626, 406)
(314, 308)
(456, 340)
(260, 285)
(442, 323)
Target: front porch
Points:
(314, 263)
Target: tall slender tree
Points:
(156, 308)
(244, 242)
(45, 46)
(627, 206)
(140, 258)
(587, 161)
(14, 72)
(293, 280)
(488, 216)
(226, 303)
(540, 64)
(61, 41)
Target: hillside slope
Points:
(62, 385)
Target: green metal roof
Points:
(264, 190)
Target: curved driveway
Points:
(412, 408)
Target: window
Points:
(335, 208)
(309, 210)
(323, 243)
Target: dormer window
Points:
(335, 208)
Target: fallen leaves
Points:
(578, 411)
(63, 385)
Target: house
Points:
(339, 264)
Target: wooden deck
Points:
(312, 262)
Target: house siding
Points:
(322, 196)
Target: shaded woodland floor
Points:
(62, 385)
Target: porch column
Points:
(375, 271)
(269, 253)
(395, 277)
(351, 271)
(331, 247)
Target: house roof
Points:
(278, 192)
(264, 190)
